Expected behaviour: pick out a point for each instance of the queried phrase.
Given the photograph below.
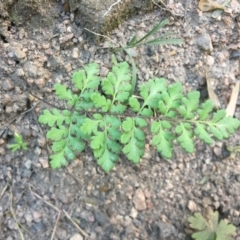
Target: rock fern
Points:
(105, 116)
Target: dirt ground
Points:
(152, 200)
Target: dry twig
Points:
(15, 219)
(75, 224)
(109, 9)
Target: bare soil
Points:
(152, 200)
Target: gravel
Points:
(152, 200)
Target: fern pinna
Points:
(105, 116)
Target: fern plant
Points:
(210, 228)
(106, 116)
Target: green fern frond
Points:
(105, 115)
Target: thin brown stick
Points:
(3, 191)
(98, 34)
(48, 203)
(111, 7)
(14, 217)
(55, 226)
(75, 224)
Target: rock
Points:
(36, 216)
(162, 230)
(192, 206)
(87, 216)
(75, 53)
(210, 60)
(20, 72)
(207, 201)
(40, 82)
(76, 236)
(139, 200)
(133, 213)
(167, 230)
(19, 53)
(28, 164)
(45, 45)
(65, 38)
(7, 85)
(147, 193)
(217, 151)
(235, 54)
(61, 233)
(44, 162)
(101, 217)
(204, 42)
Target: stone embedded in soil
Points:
(133, 213)
(139, 200)
(76, 236)
(19, 53)
(101, 217)
(20, 72)
(7, 85)
(44, 162)
(65, 38)
(210, 60)
(204, 42)
(192, 206)
(88, 216)
(167, 230)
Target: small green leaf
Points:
(151, 91)
(219, 115)
(58, 160)
(78, 78)
(113, 146)
(134, 103)
(201, 132)
(125, 138)
(63, 92)
(59, 146)
(76, 145)
(216, 132)
(101, 102)
(120, 108)
(107, 87)
(69, 153)
(190, 105)
(141, 122)
(207, 108)
(113, 121)
(98, 140)
(133, 151)
(89, 126)
(147, 112)
(106, 161)
(162, 139)
(128, 124)
(57, 134)
(97, 116)
(139, 134)
(185, 138)
(53, 118)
